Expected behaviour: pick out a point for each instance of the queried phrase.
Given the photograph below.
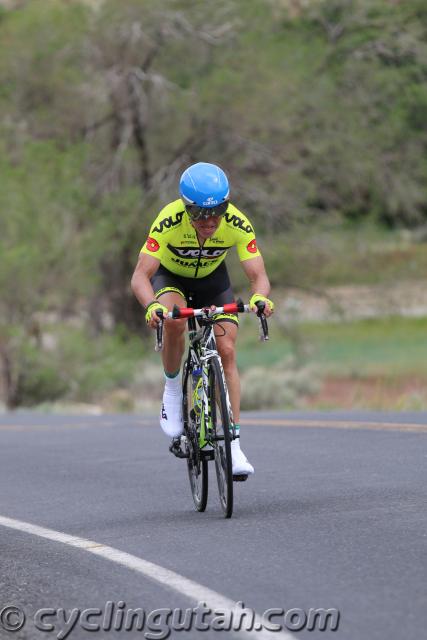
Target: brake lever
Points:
(159, 331)
(263, 325)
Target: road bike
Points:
(208, 419)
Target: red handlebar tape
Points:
(183, 312)
(188, 312)
(232, 307)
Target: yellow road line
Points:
(59, 426)
(335, 424)
(48, 427)
(259, 422)
(53, 427)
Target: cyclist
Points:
(184, 253)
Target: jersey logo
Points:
(169, 222)
(192, 265)
(191, 252)
(251, 247)
(236, 221)
(152, 245)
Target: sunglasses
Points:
(197, 213)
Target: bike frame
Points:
(202, 349)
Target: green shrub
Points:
(281, 386)
(70, 364)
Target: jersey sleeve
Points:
(249, 250)
(244, 235)
(153, 245)
(156, 242)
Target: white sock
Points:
(173, 385)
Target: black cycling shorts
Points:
(198, 292)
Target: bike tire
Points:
(220, 436)
(197, 466)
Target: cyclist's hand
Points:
(269, 304)
(151, 317)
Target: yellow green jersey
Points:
(173, 240)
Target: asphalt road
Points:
(335, 518)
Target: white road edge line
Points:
(184, 586)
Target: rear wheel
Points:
(220, 436)
(197, 466)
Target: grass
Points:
(368, 364)
(383, 346)
(333, 254)
(388, 347)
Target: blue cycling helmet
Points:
(205, 185)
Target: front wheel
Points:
(196, 465)
(220, 435)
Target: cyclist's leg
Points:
(169, 293)
(216, 290)
(174, 333)
(169, 290)
(173, 350)
(226, 334)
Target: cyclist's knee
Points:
(175, 328)
(170, 299)
(227, 351)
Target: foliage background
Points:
(316, 109)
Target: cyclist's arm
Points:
(257, 276)
(140, 283)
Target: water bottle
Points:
(197, 374)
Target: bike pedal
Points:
(175, 448)
(240, 478)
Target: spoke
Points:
(197, 468)
(221, 441)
